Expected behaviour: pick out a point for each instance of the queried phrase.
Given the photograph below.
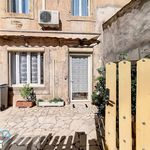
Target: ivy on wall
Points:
(100, 94)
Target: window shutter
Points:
(80, 74)
(42, 69)
(13, 70)
(12, 5)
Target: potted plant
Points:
(56, 102)
(28, 95)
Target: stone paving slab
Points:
(59, 121)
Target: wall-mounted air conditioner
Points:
(48, 18)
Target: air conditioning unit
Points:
(49, 18)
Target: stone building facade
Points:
(58, 60)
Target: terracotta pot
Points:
(24, 104)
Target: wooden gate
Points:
(121, 98)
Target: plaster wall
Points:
(128, 31)
(98, 9)
(104, 11)
(58, 54)
(56, 66)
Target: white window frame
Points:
(28, 70)
(20, 6)
(80, 8)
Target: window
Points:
(18, 6)
(80, 7)
(27, 67)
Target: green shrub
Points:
(27, 93)
(40, 100)
(100, 94)
(56, 100)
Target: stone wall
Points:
(128, 31)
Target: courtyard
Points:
(62, 123)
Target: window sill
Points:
(81, 18)
(32, 85)
(18, 16)
(39, 89)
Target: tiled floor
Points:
(59, 121)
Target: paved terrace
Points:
(64, 123)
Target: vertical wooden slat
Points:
(143, 105)
(110, 118)
(125, 131)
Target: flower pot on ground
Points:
(24, 104)
(28, 96)
(56, 102)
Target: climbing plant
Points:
(100, 95)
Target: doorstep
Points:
(82, 105)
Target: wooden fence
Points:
(119, 132)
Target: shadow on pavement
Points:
(77, 142)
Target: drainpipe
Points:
(43, 4)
